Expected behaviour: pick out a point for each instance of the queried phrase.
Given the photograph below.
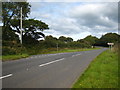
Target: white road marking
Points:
(51, 62)
(75, 55)
(31, 57)
(6, 76)
(78, 54)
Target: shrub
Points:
(8, 51)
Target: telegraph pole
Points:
(21, 26)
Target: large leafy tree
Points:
(65, 39)
(91, 40)
(69, 39)
(108, 38)
(31, 27)
(50, 38)
(10, 11)
(50, 41)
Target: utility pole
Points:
(21, 26)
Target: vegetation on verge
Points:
(102, 72)
(14, 57)
(45, 51)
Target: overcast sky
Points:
(77, 19)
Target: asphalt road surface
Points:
(47, 71)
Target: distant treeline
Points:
(33, 46)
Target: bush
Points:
(116, 47)
(12, 48)
(8, 51)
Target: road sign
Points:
(110, 43)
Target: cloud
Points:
(92, 15)
(39, 15)
(98, 17)
(77, 20)
(73, 0)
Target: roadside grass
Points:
(101, 73)
(64, 50)
(13, 57)
(44, 51)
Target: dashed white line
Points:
(76, 55)
(51, 62)
(6, 76)
(31, 57)
(73, 55)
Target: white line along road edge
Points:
(5, 76)
(51, 62)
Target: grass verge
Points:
(64, 50)
(13, 57)
(101, 73)
(45, 51)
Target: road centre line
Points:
(51, 62)
(6, 76)
(76, 55)
(73, 55)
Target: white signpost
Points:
(110, 45)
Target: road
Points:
(46, 71)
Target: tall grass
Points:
(13, 57)
(102, 72)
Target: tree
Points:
(65, 39)
(108, 38)
(50, 38)
(83, 41)
(9, 35)
(32, 28)
(90, 39)
(50, 41)
(77, 44)
(69, 39)
(11, 10)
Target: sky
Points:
(77, 19)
